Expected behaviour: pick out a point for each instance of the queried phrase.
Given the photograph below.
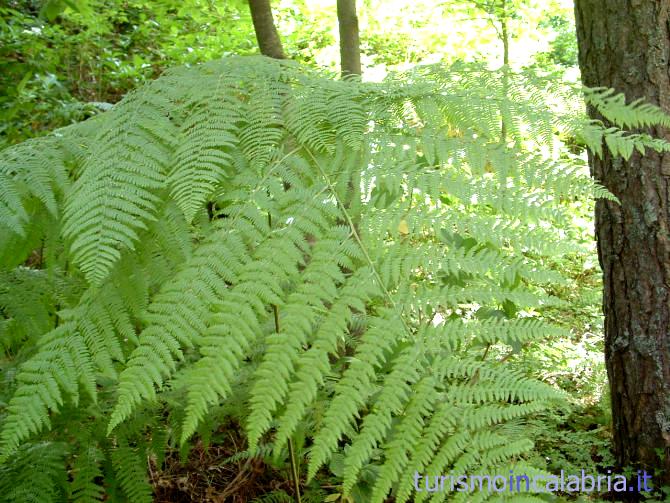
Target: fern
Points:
(131, 473)
(101, 217)
(84, 473)
(635, 114)
(336, 263)
(203, 159)
(43, 383)
(35, 475)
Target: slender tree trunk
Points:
(350, 52)
(350, 63)
(266, 32)
(625, 44)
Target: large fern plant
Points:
(350, 262)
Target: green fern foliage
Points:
(86, 469)
(636, 114)
(203, 159)
(347, 264)
(134, 146)
(35, 475)
(130, 468)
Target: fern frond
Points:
(298, 315)
(353, 390)
(176, 318)
(117, 193)
(207, 137)
(86, 469)
(394, 394)
(614, 108)
(35, 474)
(260, 130)
(233, 329)
(43, 383)
(130, 468)
(405, 436)
(313, 365)
(13, 215)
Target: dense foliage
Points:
(343, 267)
(63, 61)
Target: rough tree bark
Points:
(625, 44)
(266, 32)
(350, 52)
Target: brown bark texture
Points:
(266, 32)
(350, 52)
(625, 45)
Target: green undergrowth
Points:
(367, 280)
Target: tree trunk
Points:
(625, 44)
(266, 33)
(350, 52)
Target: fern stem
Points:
(291, 450)
(294, 471)
(486, 352)
(275, 311)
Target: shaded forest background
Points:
(64, 61)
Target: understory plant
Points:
(344, 268)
